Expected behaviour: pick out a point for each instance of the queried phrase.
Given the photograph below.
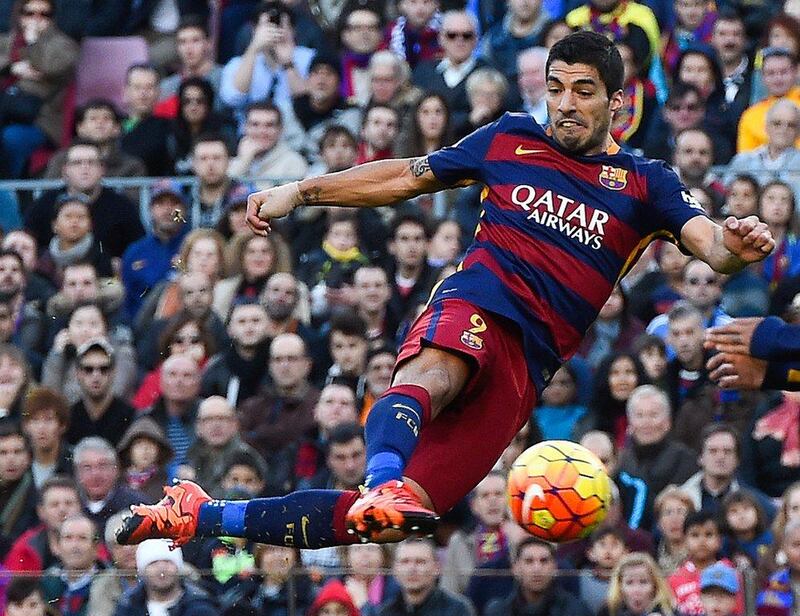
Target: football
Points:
(558, 491)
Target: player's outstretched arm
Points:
(730, 247)
(369, 185)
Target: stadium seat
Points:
(102, 65)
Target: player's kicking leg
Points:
(388, 510)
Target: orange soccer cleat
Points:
(391, 506)
(173, 517)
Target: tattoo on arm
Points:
(311, 195)
(419, 166)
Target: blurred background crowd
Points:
(146, 334)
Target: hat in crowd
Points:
(238, 194)
(95, 344)
(153, 550)
(65, 198)
(720, 575)
(323, 59)
(333, 592)
(167, 187)
(144, 427)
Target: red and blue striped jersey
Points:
(557, 230)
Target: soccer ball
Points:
(558, 491)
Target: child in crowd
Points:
(779, 597)
(747, 537)
(328, 270)
(144, 452)
(652, 354)
(245, 472)
(560, 412)
(703, 544)
(606, 549)
(719, 588)
(638, 588)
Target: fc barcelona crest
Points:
(471, 340)
(613, 178)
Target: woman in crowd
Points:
(638, 588)
(430, 129)
(698, 66)
(202, 250)
(776, 207)
(252, 259)
(615, 379)
(184, 335)
(671, 507)
(196, 116)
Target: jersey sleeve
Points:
(671, 203)
(463, 160)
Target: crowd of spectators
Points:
(143, 344)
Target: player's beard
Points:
(574, 144)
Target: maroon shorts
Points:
(459, 447)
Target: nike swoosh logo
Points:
(520, 151)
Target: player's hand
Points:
(274, 202)
(735, 337)
(734, 371)
(747, 238)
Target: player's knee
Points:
(441, 381)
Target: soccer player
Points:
(565, 214)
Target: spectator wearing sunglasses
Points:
(448, 77)
(98, 412)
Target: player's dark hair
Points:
(349, 324)
(721, 427)
(700, 518)
(594, 49)
(528, 541)
(22, 587)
